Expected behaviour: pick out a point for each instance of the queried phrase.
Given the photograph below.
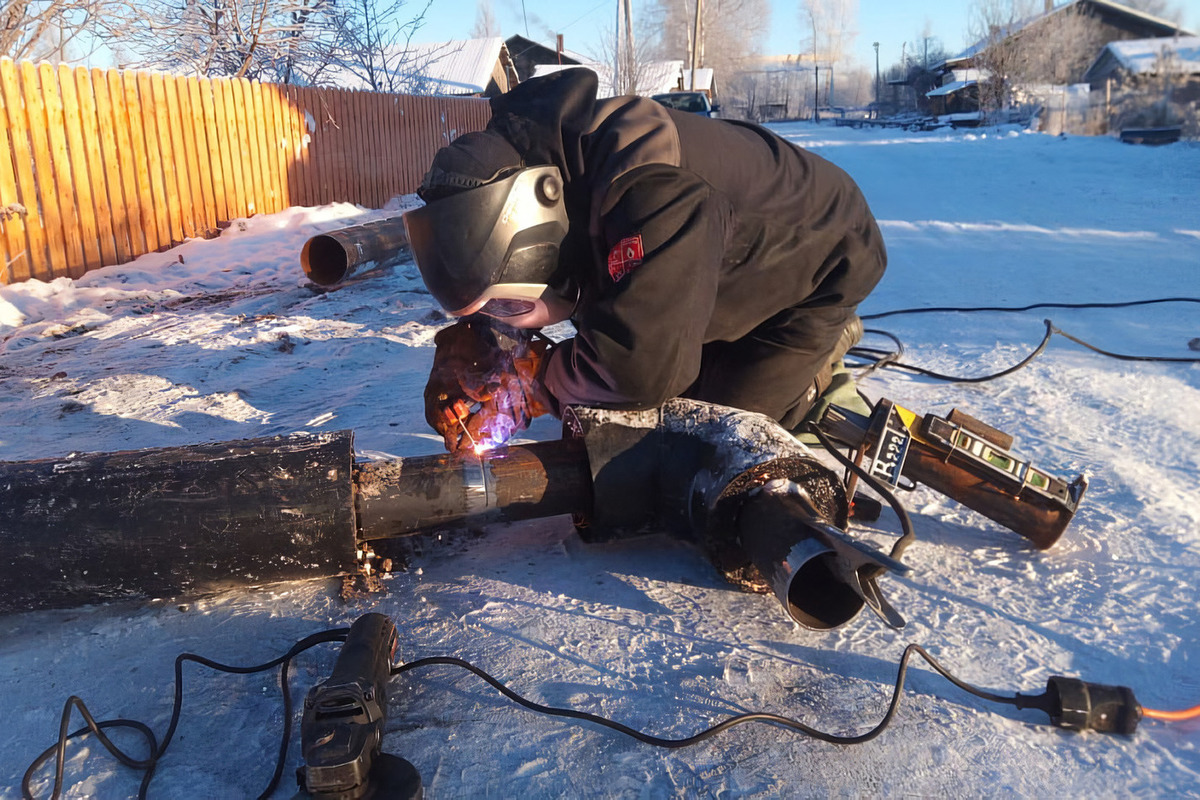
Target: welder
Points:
(695, 257)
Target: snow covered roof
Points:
(950, 88)
(704, 80)
(1143, 56)
(1107, 5)
(460, 67)
(456, 67)
(655, 77)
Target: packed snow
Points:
(225, 339)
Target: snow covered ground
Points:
(224, 339)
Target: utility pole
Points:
(876, 46)
(624, 73)
(695, 46)
(816, 91)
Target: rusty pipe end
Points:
(811, 591)
(324, 259)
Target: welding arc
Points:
(1172, 716)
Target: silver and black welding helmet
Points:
(494, 248)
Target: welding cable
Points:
(147, 765)
(907, 536)
(879, 358)
(729, 722)
(340, 634)
(1119, 356)
(1033, 307)
(1172, 716)
(886, 358)
(892, 360)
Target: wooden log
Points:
(178, 520)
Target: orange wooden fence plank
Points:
(298, 152)
(203, 156)
(232, 151)
(251, 171)
(258, 127)
(361, 172)
(387, 154)
(107, 128)
(213, 113)
(175, 171)
(43, 158)
(75, 170)
(372, 174)
(403, 135)
(262, 170)
(60, 164)
(26, 249)
(279, 142)
(379, 169)
(148, 219)
(357, 167)
(157, 212)
(90, 129)
(335, 162)
(270, 144)
(186, 126)
(12, 224)
(323, 139)
(301, 102)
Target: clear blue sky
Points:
(584, 22)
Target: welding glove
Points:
(484, 385)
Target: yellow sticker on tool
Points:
(906, 416)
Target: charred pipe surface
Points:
(176, 520)
(329, 257)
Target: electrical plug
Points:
(1083, 706)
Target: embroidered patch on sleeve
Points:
(625, 257)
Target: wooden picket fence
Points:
(98, 167)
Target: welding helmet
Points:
(489, 242)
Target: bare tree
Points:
(831, 25)
(376, 46)
(275, 40)
(485, 21)
(635, 57)
(52, 29)
(731, 33)
(1018, 49)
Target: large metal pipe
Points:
(407, 496)
(185, 520)
(171, 521)
(770, 515)
(175, 520)
(331, 256)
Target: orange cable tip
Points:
(1172, 716)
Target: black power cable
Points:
(1033, 307)
(729, 722)
(156, 750)
(876, 358)
(147, 765)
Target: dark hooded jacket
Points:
(715, 259)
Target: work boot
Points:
(851, 335)
(834, 385)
